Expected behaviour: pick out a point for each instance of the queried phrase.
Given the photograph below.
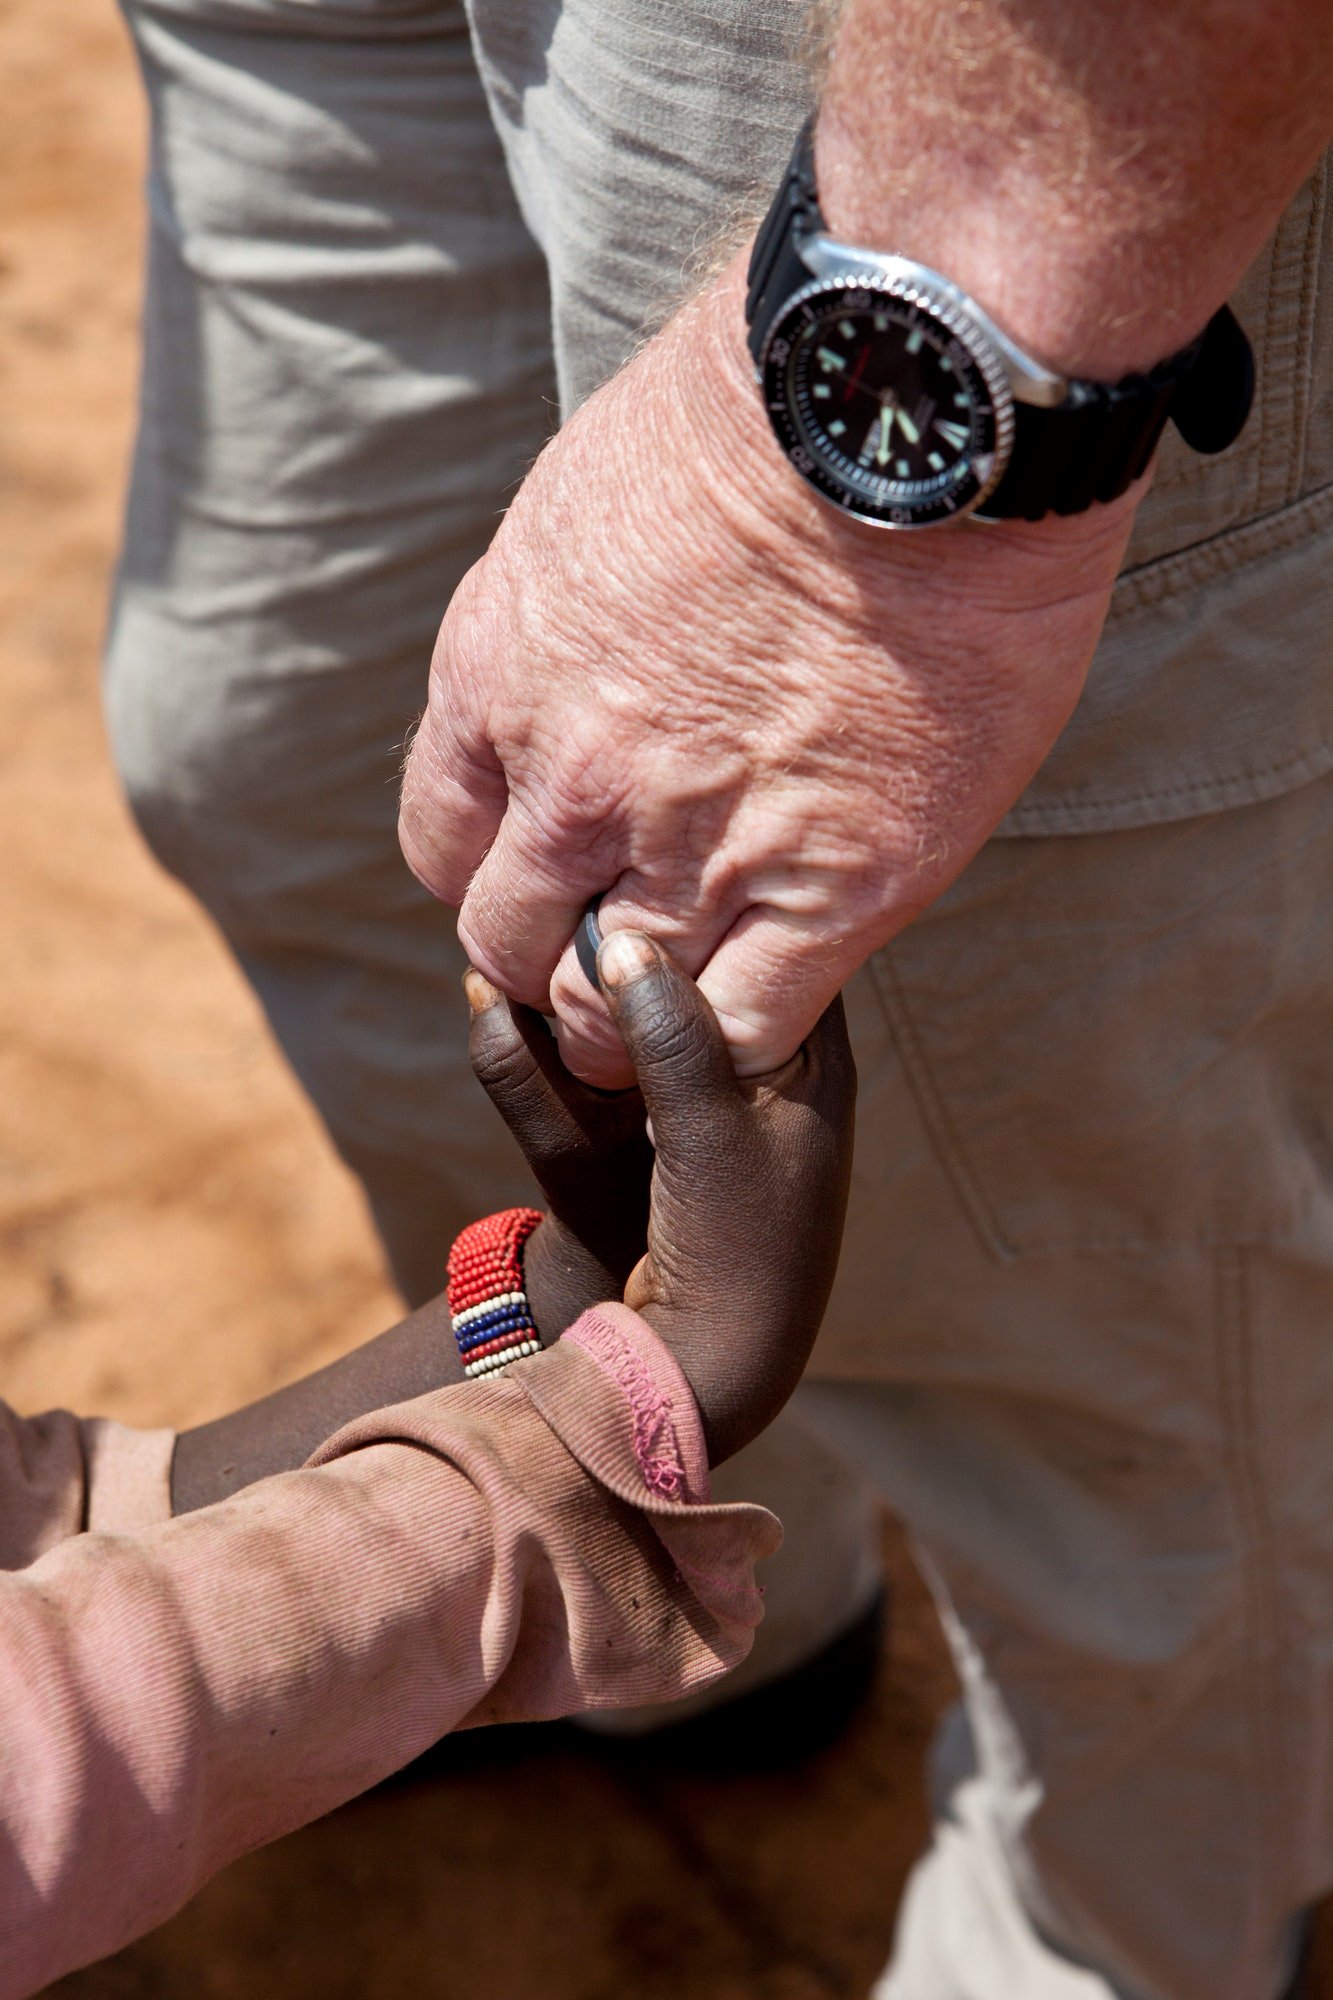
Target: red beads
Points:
(492, 1320)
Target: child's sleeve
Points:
(61, 1474)
(523, 1547)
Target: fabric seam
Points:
(1237, 1396)
(1306, 325)
(935, 1114)
(1056, 815)
(1164, 577)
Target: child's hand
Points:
(748, 1187)
(588, 1150)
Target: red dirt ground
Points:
(175, 1237)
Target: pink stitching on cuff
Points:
(656, 1445)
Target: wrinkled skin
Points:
(772, 735)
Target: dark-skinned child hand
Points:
(725, 1235)
(748, 1181)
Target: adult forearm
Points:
(1098, 173)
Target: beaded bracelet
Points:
(492, 1319)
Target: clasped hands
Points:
(723, 1227)
(765, 735)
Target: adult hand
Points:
(773, 735)
(769, 735)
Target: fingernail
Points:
(624, 957)
(480, 993)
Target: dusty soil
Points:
(175, 1237)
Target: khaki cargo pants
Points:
(1083, 1339)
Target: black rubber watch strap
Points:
(1100, 439)
(776, 270)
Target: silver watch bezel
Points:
(1010, 376)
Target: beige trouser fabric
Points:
(1079, 1337)
(1100, 1073)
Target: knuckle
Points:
(673, 1043)
(501, 1061)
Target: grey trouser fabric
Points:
(1079, 1339)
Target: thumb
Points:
(672, 1038)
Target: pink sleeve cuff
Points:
(665, 1432)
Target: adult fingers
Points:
(590, 1044)
(453, 798)
(771, 979)
(526, 900)
(689, 1086)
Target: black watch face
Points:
(882, 406)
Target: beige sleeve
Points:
(60, 1474)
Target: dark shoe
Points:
(1301, 1984)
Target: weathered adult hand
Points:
(769, 735)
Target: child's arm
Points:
(522, 1546)
(590, 1154)
(170, 1700)
(733, 1172)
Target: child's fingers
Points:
(562, 1125)
(505, 1061)
(672, 1038)
(515, 1060)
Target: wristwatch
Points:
(903, 403)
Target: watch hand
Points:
(854, 379)
(864, 389)
(885, 426)
(910, 431)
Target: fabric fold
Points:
(174, 1696)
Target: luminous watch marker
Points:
(946, 365)
(914, 341)
(881, 322)
(935, 462)
(877, 439)
(954, 434)
(822, 389)
(828, 359)
(836, 428)
(960, 402)
(846, 329)
(903, 469)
